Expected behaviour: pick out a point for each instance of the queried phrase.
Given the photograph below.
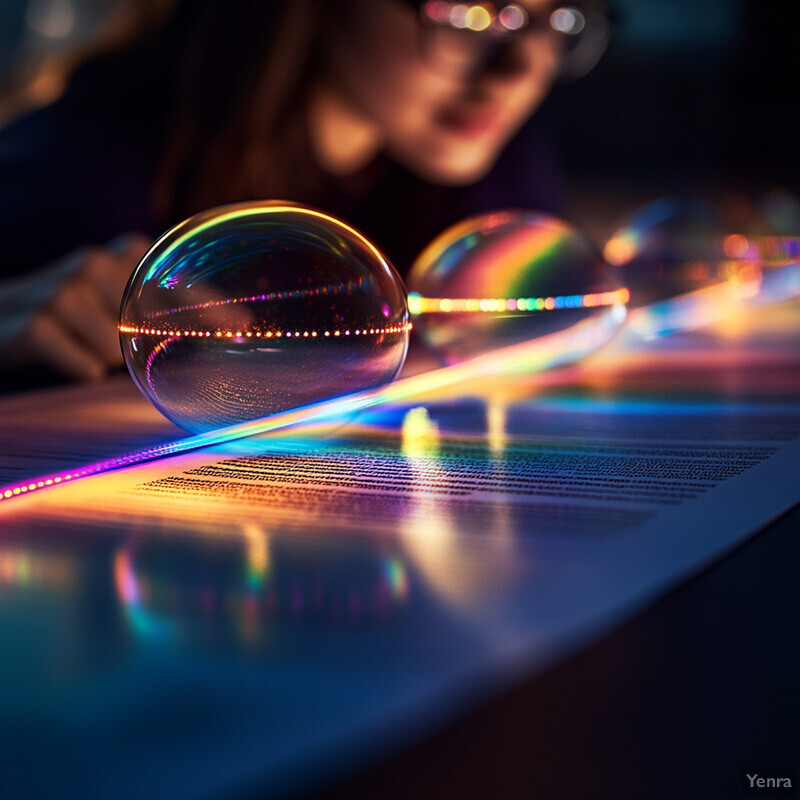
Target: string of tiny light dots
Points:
(135, 330)
(427, 305)
(416, 304)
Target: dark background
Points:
(693, 98)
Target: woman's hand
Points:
(65, 317)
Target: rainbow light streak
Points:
(396, 577)
(293, 294)
(506, 261)
(485, 264)
(435, 305)
(129, 591)
(524, 357)
(258, 559)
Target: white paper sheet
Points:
(408, 564)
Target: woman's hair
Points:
(218, 90)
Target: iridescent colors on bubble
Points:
(667, 248)
(250, 309)
(511, 276)
(553, 259)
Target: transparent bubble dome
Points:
(250, 309)
(668, 248)
(510, 276)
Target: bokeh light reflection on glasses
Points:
(460, 38)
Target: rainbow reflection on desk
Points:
(276, 612)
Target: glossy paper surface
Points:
(262, 617)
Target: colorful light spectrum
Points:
(446, 305)
(505, 277)
(517, 253)
(524, 357)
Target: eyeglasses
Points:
(460, 39)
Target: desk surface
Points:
(677, 702)
(355, 649)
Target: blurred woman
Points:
(399, 117)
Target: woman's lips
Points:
(471, 123)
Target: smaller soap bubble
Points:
(254, 308)
(678, 257)
(669, 248)
(511, 276)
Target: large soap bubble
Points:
(511, 276)
(249, 309)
